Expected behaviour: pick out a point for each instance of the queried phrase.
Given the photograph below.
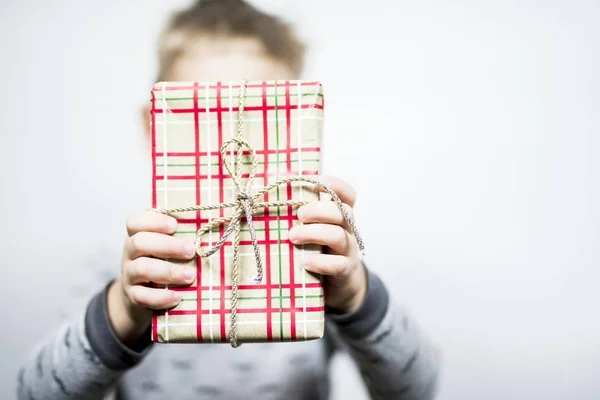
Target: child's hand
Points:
(148, 246)
(324, 224)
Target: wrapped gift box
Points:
(282, 121)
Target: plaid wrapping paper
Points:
(283, 123)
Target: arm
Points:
(82, 360)
(395, 358)
(87, 356)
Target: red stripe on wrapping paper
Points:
(245, 152)
(153, 134)
(248, 287)
(198, 215)
(267, 227)
(221, 197)
(221, 177)
(248, 108)
(267, 310)
(278, 144)
(256, 85)
(290, 220)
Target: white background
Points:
(476, 122)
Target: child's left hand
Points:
(324, 224)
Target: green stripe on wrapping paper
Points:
(317, 94)
(311, 296)
(278, 216)
(245, 163)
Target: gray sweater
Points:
(84, 359)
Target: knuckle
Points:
(169, 222)
(341, 240)
(138, 268)
(130, 223)
(134, 243)
(126, 269)
(348, 266)
(344, 268)
(353, 195)
(135, 296)
(337, 271)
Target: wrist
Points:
(353, 296)
(364, 320)
(128, 321)
(108, 334)
(358, 298)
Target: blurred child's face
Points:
(225, 59)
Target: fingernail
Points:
(189, 274)
(306, 263)
(292, 236)
(176, 297)
(310, 268)
(301, 213)
(171, 224)
(189, 249)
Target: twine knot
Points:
(244, 206)
(241, 196)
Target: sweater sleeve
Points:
(82, 359)
(394, 356)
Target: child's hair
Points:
(234, 18)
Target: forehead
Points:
(209, 58)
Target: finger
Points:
(332, 265)
(160, 246)
(332, 236)
(157, 299)
(326, 212)
(343, 189)
(150, 221)
(145, 269)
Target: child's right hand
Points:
(148, 245)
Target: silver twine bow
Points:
(245, 205)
